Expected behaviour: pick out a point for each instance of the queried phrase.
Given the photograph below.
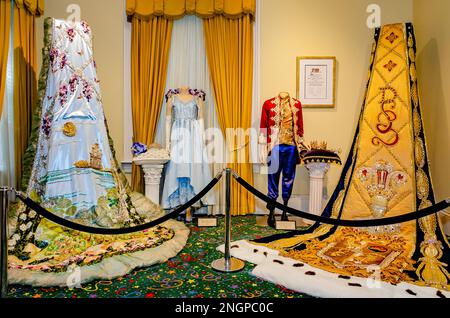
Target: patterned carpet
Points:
(188, 275)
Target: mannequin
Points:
(188, 172)
(280, 145)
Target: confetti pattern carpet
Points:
(188, 275)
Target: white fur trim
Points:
(322, 283)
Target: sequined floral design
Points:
(86, 27)
(70, 34)
(58, 60)
(63, 93)
(198, 93)
(46, 125)
(193, 91)
(172, 92)
(62, 60)
(87, 91)
(73, 82)
(54, 53)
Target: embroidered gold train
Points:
(386, 174)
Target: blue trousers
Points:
(282, 160)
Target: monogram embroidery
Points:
(387, 117)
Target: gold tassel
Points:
(430, 270)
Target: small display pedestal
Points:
(317, 173)
(318, 162)
(152, 162)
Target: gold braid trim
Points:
(431, 271)
(292, 242)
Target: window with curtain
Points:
(227, 26)
(7, 162)
(188, 66)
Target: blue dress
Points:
(188, 172)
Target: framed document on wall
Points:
(316, 81)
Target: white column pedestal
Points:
(317, 172)
(153, 169)
(152, 178)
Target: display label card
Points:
(286, 225)
(207, 222)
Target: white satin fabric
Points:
(73, 97)
(75, 176)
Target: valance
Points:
(34, 7)
(176, 9)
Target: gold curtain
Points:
(150, 48)
(5, 20)
(25, 74)
(34, 7)
(175, 9)
(229, 46)
(229, 42)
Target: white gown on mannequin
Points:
(188, 172)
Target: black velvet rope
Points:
(336, 222)
(347, 223)
(104, 231)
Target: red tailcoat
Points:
(271, 121)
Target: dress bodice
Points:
(184, 110)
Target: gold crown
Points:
(319, 145)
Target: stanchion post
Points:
(4, 203)
(228, 218)
(228, 264)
